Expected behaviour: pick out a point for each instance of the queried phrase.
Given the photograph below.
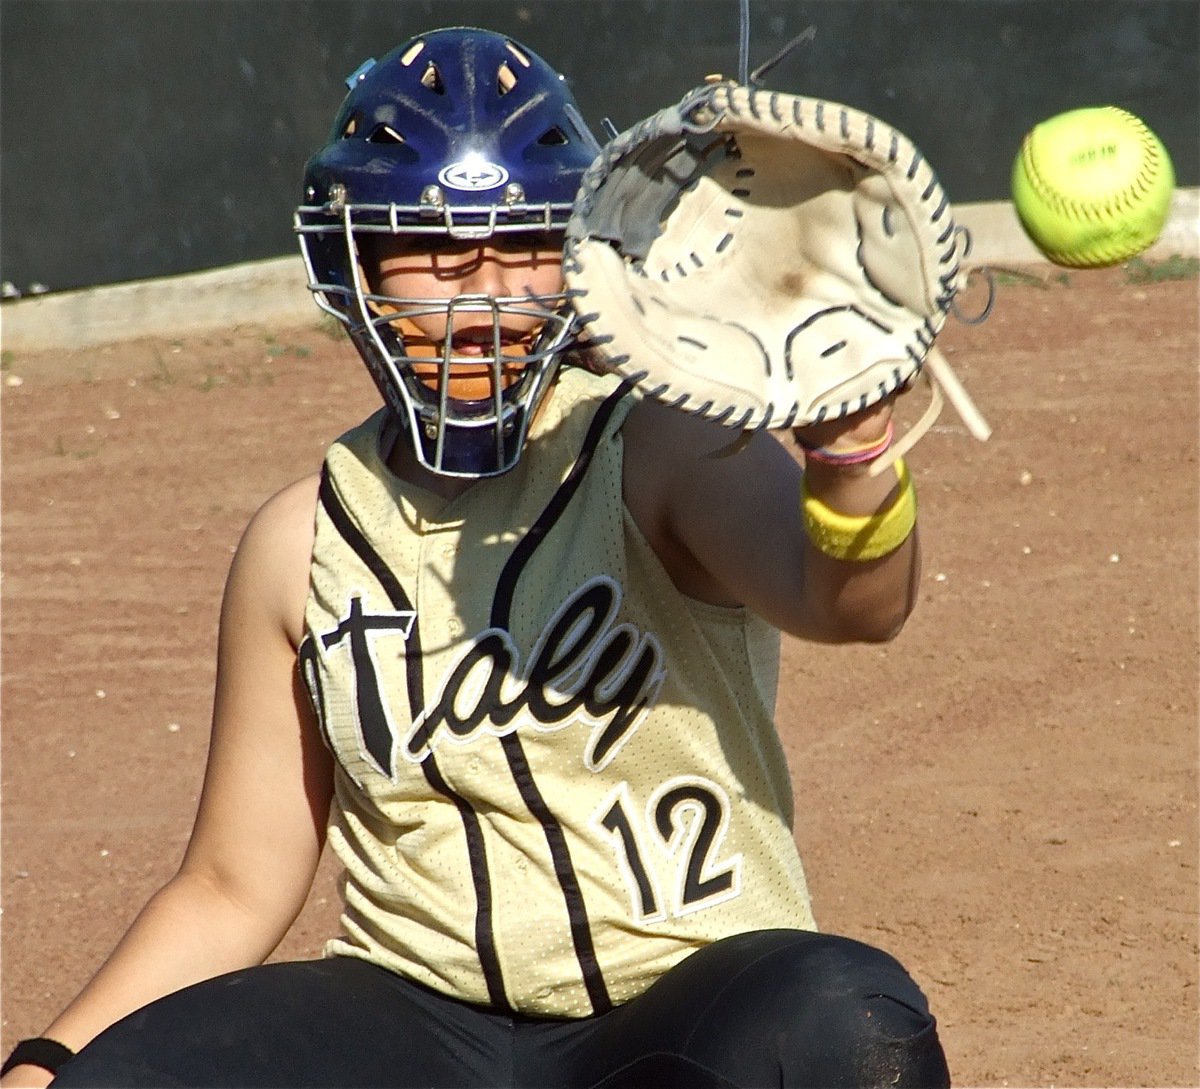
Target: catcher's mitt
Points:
(766, 260)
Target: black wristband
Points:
(39, 1051)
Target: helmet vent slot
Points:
(553, 137)
(385, 134)
(522, 58)
(506, 78)
(431, 79)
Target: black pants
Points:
(773, 1008)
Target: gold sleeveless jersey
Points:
(556, 775)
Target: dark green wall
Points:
(143, 138)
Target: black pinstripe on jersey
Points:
(485, 942)
(581, 934)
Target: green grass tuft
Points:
(1141, 271)
(331, 327)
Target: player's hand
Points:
(26, 1076)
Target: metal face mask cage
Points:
(453, 437)
(429, 144)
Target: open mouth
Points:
(474, 368)
(470, 349)
(474, 343)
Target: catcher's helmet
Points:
(459, 133)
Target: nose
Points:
(487, 273)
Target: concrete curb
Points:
(269, 293)
(272, 293)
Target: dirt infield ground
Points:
(1005, 796)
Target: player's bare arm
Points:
(728, 528)
(259, 829)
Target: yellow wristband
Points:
(861, 538)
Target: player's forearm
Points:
(849, 600)
(187, 932)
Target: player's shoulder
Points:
(283, 525)
(289, 513)
(271, 564)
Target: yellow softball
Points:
(1092, 186)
